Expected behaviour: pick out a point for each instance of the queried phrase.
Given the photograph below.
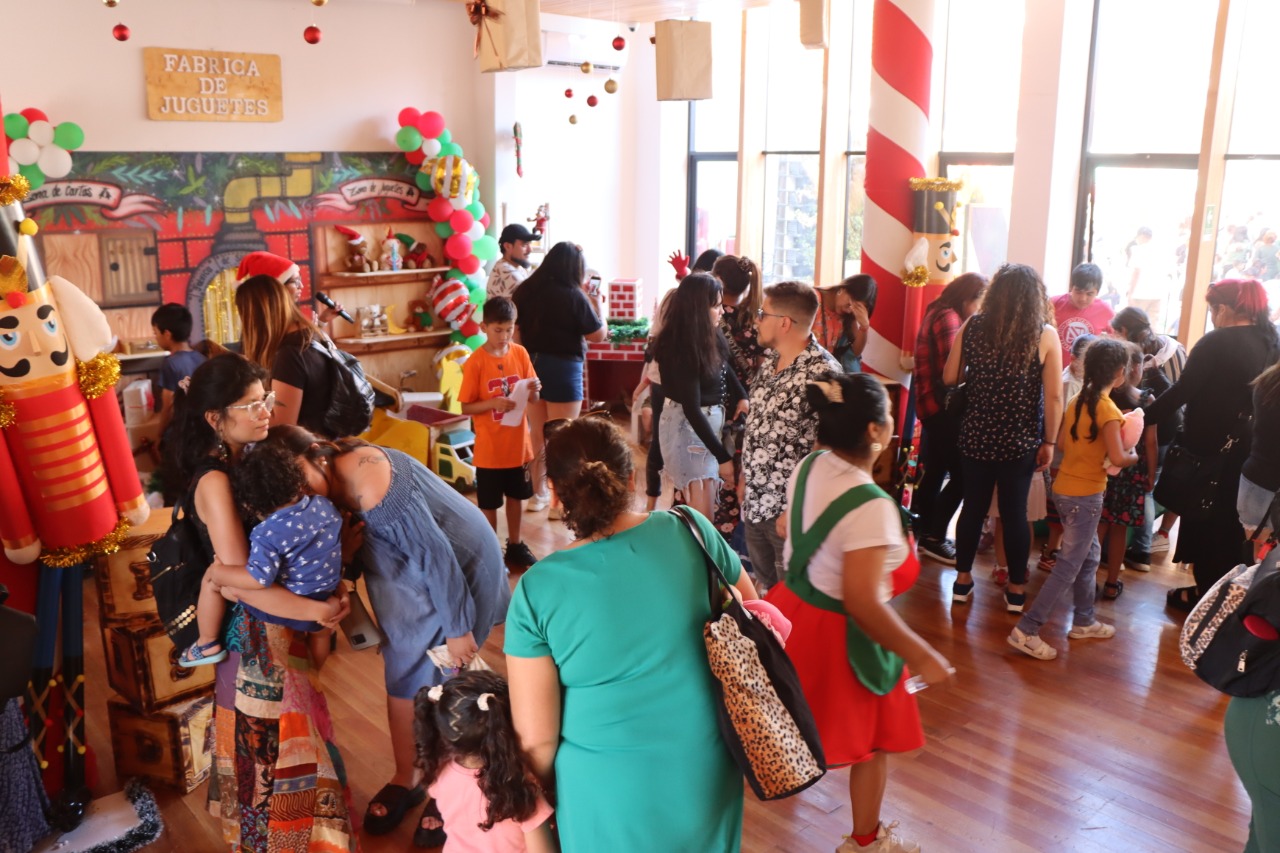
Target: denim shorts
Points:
(561, 377)
(684, 457)
(1252, 503)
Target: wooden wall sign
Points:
(210, 85)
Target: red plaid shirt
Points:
(933, 345)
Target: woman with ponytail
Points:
(1216, 389)
(611, 695)
(743, 295)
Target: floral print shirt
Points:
(743, 343)
(781, 429)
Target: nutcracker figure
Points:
(930, 264)
(68, 486)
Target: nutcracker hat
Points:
(265, 263)
(20, 267)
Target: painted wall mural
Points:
(196, 214)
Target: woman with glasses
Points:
(266, 696)
(700, 385)
(278, 337)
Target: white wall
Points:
(340, 95)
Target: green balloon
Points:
(423, 180)
(16, 126)
(445, 136)
(450, 148)
(485, 248)
(456, 274)
(68, 135)
(444, 230)
(476, 341)
(408, 138)
(34, 175)
(476, 209)
(478, 297)
(457, 337)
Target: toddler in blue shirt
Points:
(297, 544)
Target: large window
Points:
(984, 61)
(985, 202)
(713, 145)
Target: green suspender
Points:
(876, 667)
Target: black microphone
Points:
(326, 300)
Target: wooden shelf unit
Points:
(391, 343)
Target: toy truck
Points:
(451, 458)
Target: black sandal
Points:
(398, 800)
(1111, 591)
(423, 837)
(1184, 598)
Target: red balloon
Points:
(311, 34)
(430, 124)
(461, 221)
(592, 101)
(470, 264)
(484, 220)
(439, 209)
(457, 247)
(415, 157)
(408, 116)
(469, 327)
(32, 114)
(120, 32)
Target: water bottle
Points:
(916, 683)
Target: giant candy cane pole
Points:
(897, 142)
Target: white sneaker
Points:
(1159, 542)
(537, 503)
(886, 841)
(1096, 631)
(1031, 644)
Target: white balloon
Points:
(40, 132)
(55, 162)
(458, 203)
(476, 231)
(25, 151)
(431, 147)
(13, 166)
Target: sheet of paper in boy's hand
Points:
(520, 396)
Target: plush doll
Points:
(1130, 434)
(69, 489)
(419, 319)
(391, 259)
(358, 259)
(416, 255)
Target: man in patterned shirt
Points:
(513, 267)
(781, 426)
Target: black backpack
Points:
(351, 396)
(178, 563)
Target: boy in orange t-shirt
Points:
(502, 453)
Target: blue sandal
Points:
(197, 655)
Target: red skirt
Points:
(854, 723)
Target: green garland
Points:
(628, 331)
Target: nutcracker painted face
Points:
(33, 344)
(935, 222)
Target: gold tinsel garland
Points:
(917, 277)
(13, 188)
(61, 558)
(8, 413)
(98, 375)
(935, 184)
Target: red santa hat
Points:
(354, 237)
(265, 263)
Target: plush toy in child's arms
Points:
(1130, 434)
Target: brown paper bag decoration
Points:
(684, 60)
(510, 35)
(814, 23)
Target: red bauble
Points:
(312, 34)
(619, 42)
(592, 100)
(568, 93)
(120, 32)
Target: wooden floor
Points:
(1114, 746)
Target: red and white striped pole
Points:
(897, 146)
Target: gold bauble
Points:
(111, 4)
(573, 119)
(611, 85)
(586, 67)
(318, 2)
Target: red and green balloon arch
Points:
(460, 218)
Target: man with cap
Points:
(513, 267)
(284, 271)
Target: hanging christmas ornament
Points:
(573, 119)
(611, 85)
(312, 34)
(619, 42)
(120, 32)
(592, 100)
(318, 2)
(586, 67)
(568, 93)
(111, 4)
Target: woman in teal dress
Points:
(610, 689)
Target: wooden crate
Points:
(124, 578)
(171, 746)
(142, 666)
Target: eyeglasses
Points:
(258, 408)
(761, 314)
